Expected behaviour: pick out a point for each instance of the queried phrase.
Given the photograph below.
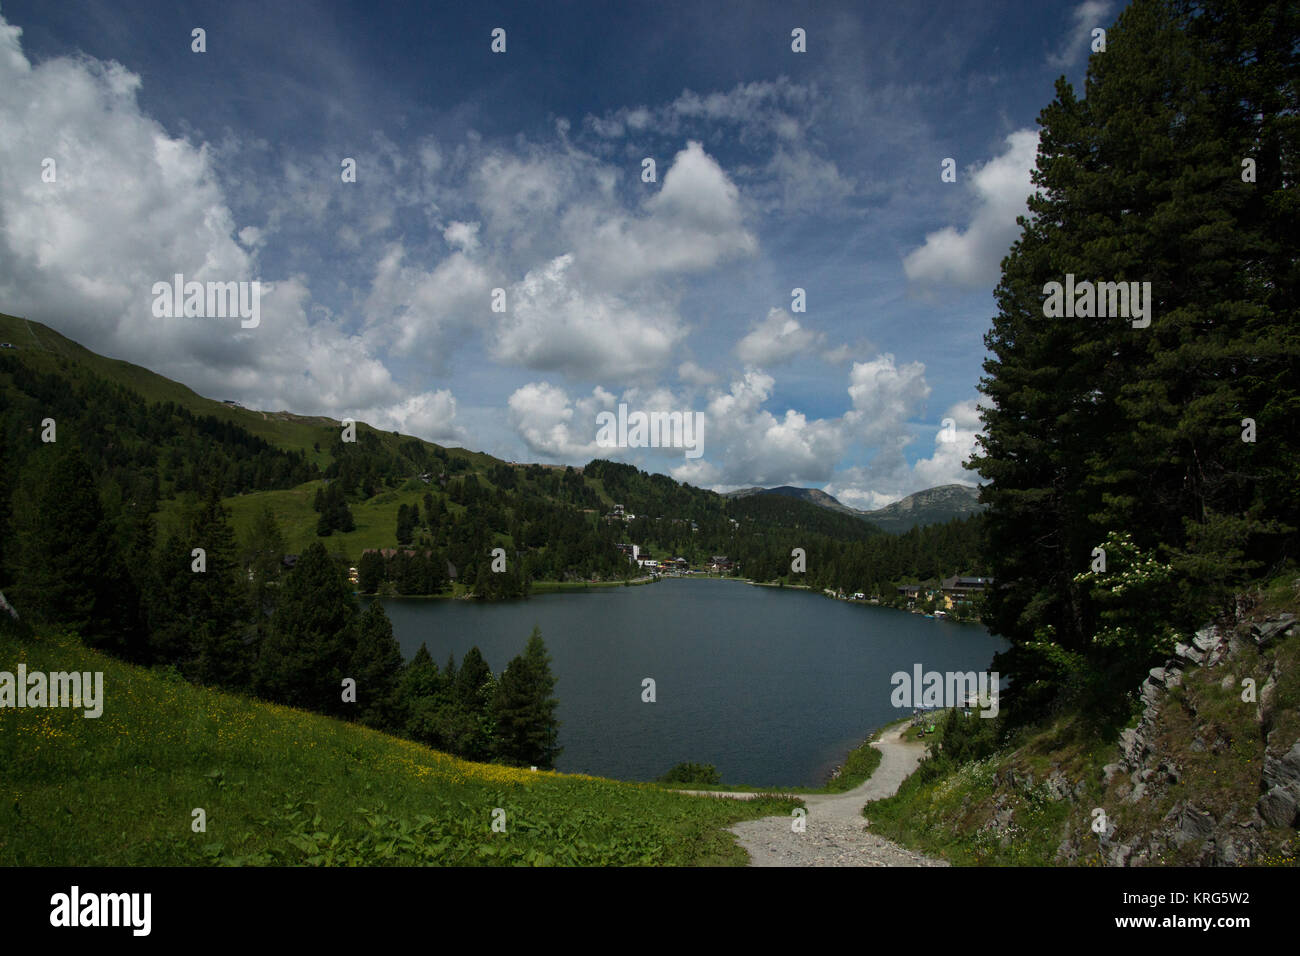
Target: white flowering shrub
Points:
(1129, 593)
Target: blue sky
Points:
(522, 171)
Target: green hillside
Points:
(43, 348)
(157, 448)
(375, 517)
(282, 786)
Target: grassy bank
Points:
(280, 786)
(951, 817)
(859, 765)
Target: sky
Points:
(525, 171)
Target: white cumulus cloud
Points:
(972, 257)
(555, 323)
(130, 206)
(776, 339)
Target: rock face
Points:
(932, 506)
(1280, 805)
(1268, 631)
(1144, 775)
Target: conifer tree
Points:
(220, 611)
(405, 524)
(1095, 427)
(264, 559)
(198, 609)
(370, 572)
(377, 668)
(66, 564)
(422, 678)
(342, 519)
(312, 637)
(527, 730)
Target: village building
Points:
(961, 590)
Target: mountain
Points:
(931, 506)
(811, 495)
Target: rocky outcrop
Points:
(1266, 632)
(1280, 804)
(1233, 837)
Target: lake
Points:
(772, 686)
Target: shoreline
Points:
(866, 603)
(873, 736)
(557, 587)
(535, 587)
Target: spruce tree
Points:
(312, 637)
(419, 692)
(473, 694)
(1096, 428)
(422, 672)
(66, 565)
(219, 612)
(264, 559)
(409, 572)
(527, 730)
(199, 620)
(342, 519)
(169, 596)
(334, 512)
(370, 572)
(405, 525)
(377, 668)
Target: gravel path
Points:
(836, 833)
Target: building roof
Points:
(959, 582)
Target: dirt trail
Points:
(836, 833)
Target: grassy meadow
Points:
(284, 787)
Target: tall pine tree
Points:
(1096, 429)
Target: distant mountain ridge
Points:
(930, 506)
(812, 495)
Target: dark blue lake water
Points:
(771, 686)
